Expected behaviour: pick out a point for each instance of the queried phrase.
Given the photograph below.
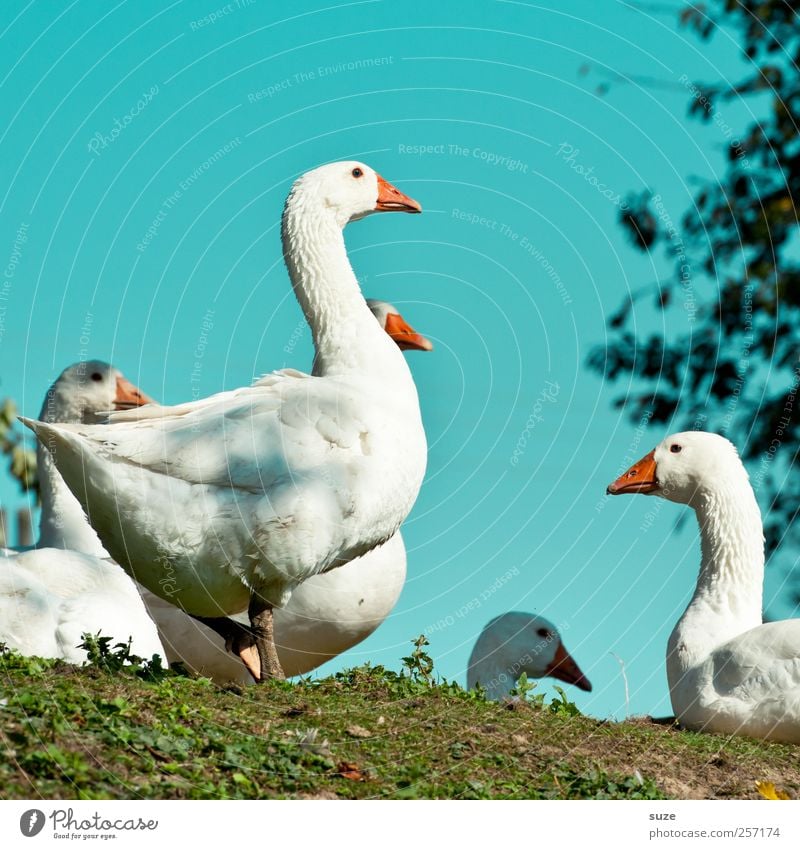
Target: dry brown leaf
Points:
(350, 771)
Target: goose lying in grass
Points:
(327, 614)
(65, 585)
(727, 671)
(231, 502)
(517, 642)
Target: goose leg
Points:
(261, 622)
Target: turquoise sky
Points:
(146, 151)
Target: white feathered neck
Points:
(347, 339)
(728, 598)
(62, 522)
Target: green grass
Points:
(138, 731)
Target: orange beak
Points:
(129, 396)
(404, 334)
(391, 199)
(565, 669)
(641, 477)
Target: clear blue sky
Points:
(141, 231)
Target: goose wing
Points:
(762, 660)
(282, 427)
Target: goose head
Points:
(84, 389)
(350, 190)
(681, 467)
(523, 642)
(397, 327)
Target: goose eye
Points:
(97, 376)
(675, 449)
(543, 633)
(357, 172)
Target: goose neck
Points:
(347, 339)
(728, 598)
(62, 522)
(732, 546)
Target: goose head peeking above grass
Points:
(517, 642)
(727, 671)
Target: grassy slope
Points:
(69, 732)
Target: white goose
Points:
(233, 501)
(397, 327)
(517, 642)
(65, 586)
(727, 671)
(327, 614)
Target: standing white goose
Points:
(327, 614)
(517, 642)
(66, 586)
(233, 501)
(727, 671)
